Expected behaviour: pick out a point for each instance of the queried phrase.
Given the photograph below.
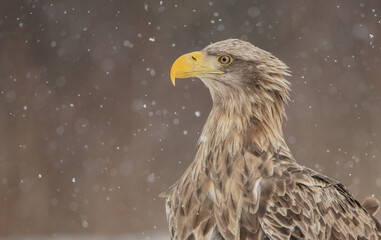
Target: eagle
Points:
(244, 182)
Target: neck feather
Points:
(245, 121)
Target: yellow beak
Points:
(194, 64)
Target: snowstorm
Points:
(92, 129)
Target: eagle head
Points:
(234, 69)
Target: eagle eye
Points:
(225, 59)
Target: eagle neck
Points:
(235, 126)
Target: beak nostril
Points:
(194, 59)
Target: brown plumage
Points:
(244, 182)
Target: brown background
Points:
(91, 130)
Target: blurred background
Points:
(91, 129)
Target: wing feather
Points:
(306, 204)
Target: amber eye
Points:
(225, 59)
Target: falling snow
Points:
(92, 125)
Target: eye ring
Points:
(225, 59)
